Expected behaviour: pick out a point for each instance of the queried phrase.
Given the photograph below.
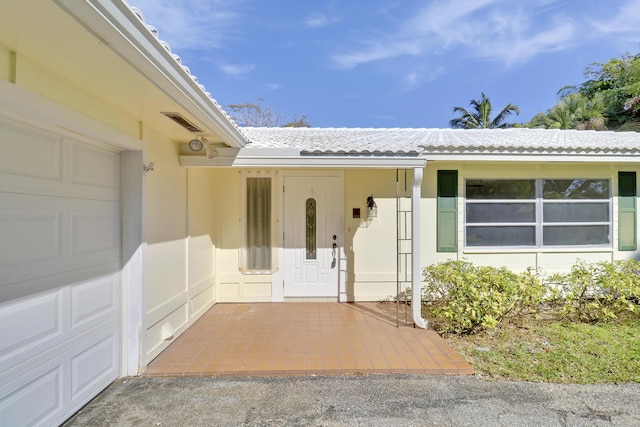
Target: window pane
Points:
(501, 212)
(311, 228)
(501, 236)
(575, 189)
(576, 212)
(501, 189)
(258, 224)
(575, 235)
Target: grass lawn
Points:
(553, 351)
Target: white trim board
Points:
(275, 161)
(27, 107)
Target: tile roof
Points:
(412, 142)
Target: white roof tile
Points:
(411, 142)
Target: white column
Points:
(416, 198)
(133, 262)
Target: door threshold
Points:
(311, 299)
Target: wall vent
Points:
(179, 119)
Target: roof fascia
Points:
(113, 23)
(349, 162)
(577, 158)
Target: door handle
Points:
(333, 254)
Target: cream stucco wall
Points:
(232, 285)
(370, 243)
(38, 78)
(180, 235)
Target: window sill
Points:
(259, 273)
(564, 249)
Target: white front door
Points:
(311, 236)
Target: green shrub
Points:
(598, 292)
(462, 298)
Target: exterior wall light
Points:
(196, 144)
(372, 208)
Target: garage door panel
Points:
(36, 321)
(40, 285)
(93, 366)
(94, 167)
(35, 400)
(57, 319)
(38, 162)
(55, 388)
(42, 235)
(93, 232)
(94, 301)
(28, 236)
(29, 152)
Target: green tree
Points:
(573, 111)
(479, 117)
(608, 99)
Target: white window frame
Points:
(539, 223)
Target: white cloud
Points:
(236, 69)
(417, 78)
(316, 20)
(626, 21)
(504, 31)
(273, 86)
(377, 51)
(194, 24)
(513, 47)
(412, 79)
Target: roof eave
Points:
(581, 157)
(117, 26)
(325, 161)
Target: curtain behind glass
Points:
(258, 224)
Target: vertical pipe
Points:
(397, 254)
(416, 198)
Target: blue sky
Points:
(392, 63)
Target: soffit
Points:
(43, 32)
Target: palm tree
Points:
(480, 116)
(574, 111)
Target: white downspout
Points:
(416, 197)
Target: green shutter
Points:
(447, 222)
(627, 211)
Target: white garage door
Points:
(59, 273)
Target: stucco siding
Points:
(37, 78)
(180, 237)
(370, 243)
(233, 285)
